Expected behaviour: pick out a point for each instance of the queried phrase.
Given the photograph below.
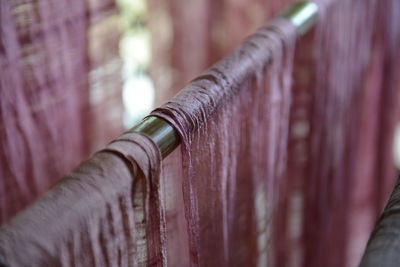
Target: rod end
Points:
(302, 15)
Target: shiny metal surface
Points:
(302, 14)
(161, 132)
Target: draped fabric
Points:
(337, 155)
(88, 218)
(354, 179)
(221, 203)
(285, 159)
(59, 92)
(189, 36)
(382, 248)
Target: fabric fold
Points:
(96, 215)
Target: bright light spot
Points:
(135, 51)
(136, 48)
(138, 98)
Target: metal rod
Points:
(161, 132)
(302, 15)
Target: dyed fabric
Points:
(275, 173)
(59, 92)
(213, 166)
(285, 160)
(182, 48)
(382, 248)
(88, 219)
(351, 166)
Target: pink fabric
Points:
(218, 185)
(282, 162)
(190, 36)
(88, 219)
(318, 175)
(50, 109)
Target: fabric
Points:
(295, 180)
(285, 160)
(60, 95)
(231, 190)
(88, 219)
(382, 248)
(179, 55)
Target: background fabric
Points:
(59, 92)
(286, 154)
(190, 36)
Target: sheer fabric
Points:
(314, 179)
(383, 243)
(222, 201)
(279, 165)
(59, 92)
(88, 219)
(178, 55)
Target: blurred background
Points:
(165, 44)
(146, 49)
(75, 74)
(135, 51)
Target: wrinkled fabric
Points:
(285, 160)
(220, 97)
(352, 170)
(95, 216)
(275, 173)
(60, 94)
(382, 248)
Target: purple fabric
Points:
(279, 164)
(235, 145)
(60, 95)
(221, 97)
(91, 218)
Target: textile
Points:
(311, 175)
(285, 160)
(88, 218)
(60, 95)
(382, 248)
